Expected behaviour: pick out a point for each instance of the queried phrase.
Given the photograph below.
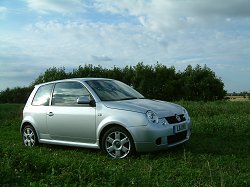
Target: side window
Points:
(42, 96)
(67, 93)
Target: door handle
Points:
(50, 114)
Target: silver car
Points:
(102, 113)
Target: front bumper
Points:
(156, 137)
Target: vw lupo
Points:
(102, 113)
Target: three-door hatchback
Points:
(102, 113)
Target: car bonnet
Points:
(162, 108)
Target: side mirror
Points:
(85, 100)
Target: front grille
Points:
(177, 137)
(173, 119)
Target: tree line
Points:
(153, 81)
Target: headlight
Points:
(152, 116)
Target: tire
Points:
(118, 143)
(29, 136)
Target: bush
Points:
(155, 82)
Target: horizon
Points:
(36, 35)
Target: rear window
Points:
(42, 96)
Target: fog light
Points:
(158, 141)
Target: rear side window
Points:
(42, 96)
(67, 93)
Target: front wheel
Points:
(118, 143)
(29, 136)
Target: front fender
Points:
(126, 119)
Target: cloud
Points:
(77, 41)
(223, 8)
(247, 69)
(3, 9)
(19, 72)
(162, 15)
(101, 58)
(58, 6)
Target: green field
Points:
(218, 154)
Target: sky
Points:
(38, 34)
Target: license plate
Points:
(180, 128)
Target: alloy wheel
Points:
(118, 143)
(29, 136)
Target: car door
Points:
(67, 120)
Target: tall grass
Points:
(216, 155)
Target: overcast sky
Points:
(38, 34)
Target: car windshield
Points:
(112, 90)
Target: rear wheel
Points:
(118, 143)
(29, 136)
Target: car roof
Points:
(74, 79)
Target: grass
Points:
(238, 98)
(216, 155)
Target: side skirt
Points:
(66, 143)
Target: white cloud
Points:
(73, 42)
(3, 9)
(162, 15)
(49, 43)
(91, 39)
(59, 6)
